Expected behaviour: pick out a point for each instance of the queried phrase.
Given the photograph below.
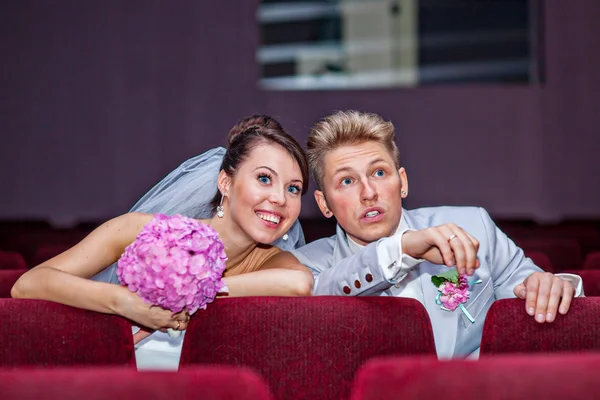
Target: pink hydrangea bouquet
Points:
(176, 263)
(453, 291)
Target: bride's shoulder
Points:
(133, 221)
(138, 217)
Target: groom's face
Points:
(362, 189)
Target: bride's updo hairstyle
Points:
(251, 132)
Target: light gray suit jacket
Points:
(503, 266)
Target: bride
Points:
(250, 194)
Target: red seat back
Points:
(48, 251)
(309, 347)
(215, 383)
(592, 261)
(11, 260)
(7, 280)
(509, 329)
(591, 281)
(551, 377)
(563, 253)
(43, 333)
(541, 260)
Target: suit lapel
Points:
(444, 323)
(341, 249)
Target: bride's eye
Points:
(264, 179)
(295, 189)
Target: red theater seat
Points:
(214, 383)
(42, 333)
(7, 280)
(551, 377)
(308, 347)
(541, 260)
(48, 251)
(591, 281)
(592, 261)
(28, 243)
(11, 260)
(563, 253)
(509, 329)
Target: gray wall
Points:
(100, 99)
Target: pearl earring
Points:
(285, 237)
(220, 210)
(403, 193)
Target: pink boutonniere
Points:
(453, 291)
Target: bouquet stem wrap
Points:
(176, 263)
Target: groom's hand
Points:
(447, 244)
(543, 292)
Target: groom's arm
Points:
(370, 271)
(515, 275)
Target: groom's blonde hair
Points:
(347, 128)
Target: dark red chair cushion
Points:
(7, 280)
(509, 329)
(12, 260)
(309, 347)
(43, 333)
(572, 376)
(214, 383)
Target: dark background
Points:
(100, 99)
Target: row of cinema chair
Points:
(303, 348)
(550, 377)
(557, 248)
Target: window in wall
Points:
(350, 44)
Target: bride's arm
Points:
(280, 275)
(65, 278)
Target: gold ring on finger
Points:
(178, 325)
(451, 237)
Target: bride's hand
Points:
(183, 318)
(132, 307)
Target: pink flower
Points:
(175, 262)
(454, 294)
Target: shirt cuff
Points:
(393, 263)
(575, 280)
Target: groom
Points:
(380, 249)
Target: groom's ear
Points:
(322, 203)
(223, 182)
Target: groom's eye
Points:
(380, 173)
(346, 181)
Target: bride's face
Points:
(265, 194)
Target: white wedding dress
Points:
(158, 351)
